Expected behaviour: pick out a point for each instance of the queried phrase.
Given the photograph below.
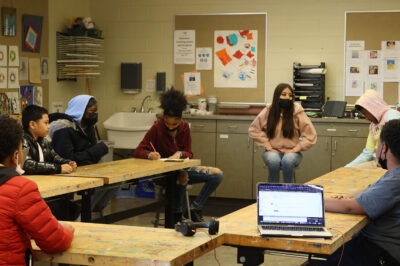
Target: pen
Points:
(153, 147)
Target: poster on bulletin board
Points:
(235, 59)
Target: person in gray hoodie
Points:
(73, 137)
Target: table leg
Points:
(86, 212)
(250, 256)
(170, 195)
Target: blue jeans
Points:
(275, 161)
(199, 174)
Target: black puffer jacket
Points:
(72, 142)
(52, 161)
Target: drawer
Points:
(233, 126)
(342, 129)
(199, 125)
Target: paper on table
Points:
(314, 71)
(171, 160)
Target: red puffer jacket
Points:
(24, 215)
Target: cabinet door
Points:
(346, 149)
(316, 161)
(260, 171)
(234, 158)
(203, 147)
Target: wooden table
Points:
(128, 169)
(240, 227)
(116, 172)
(102, 244)
(55, 185)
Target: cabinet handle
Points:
(232, 127)
(331, 129)
(335, 145)
(352, 130)
(198, 125)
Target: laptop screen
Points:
(292, 204)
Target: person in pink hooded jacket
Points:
(378, 112)
(284, 130)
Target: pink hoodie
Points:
(373, 103)
(303, 128)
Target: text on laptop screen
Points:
(290, 204)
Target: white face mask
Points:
(19, 169)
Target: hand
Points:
(70, 227)
(66, 169)
(154, 156)
(73, 165)
(176, 155)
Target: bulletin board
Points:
(373, 28)
(29, 7)
(205, 26)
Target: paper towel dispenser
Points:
(131, 77)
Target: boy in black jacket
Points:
(41, 159)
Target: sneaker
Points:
(196, 215)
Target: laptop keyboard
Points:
(292, 228)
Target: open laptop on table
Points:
(292, 210)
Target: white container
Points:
(128, 129)
(212, 104)
(202, 104)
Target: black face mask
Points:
(285, 103)
(92, 120)
(382, 162)
(172, 130)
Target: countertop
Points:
(252, 117)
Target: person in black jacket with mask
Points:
(73, 134)
(41, 158)
(73, 137)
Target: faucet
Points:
(150, 109)
(144, 100)
(133, 109)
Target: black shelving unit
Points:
(309, 88)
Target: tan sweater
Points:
(304, 133)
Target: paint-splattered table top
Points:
(54, 185)
(348, 180)
(240, 227)
(128, 169)
(103, 244)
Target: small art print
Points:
(31, 33)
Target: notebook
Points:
(292, 210)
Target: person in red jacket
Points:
(169, 137)
(23, 213)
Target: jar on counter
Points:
(212, 104)
(202, 104)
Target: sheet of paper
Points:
(44, 67)
(13, 57)
(171, 160)
(192, 83)
(13, 103)
(204, 58)
(184, 46)
(3, 55)
(34, 70)
(13, 80)
(23, 68)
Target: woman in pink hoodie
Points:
(378, 112)
(284, 130)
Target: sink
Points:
(127, 129)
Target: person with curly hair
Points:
(170, 136)
(24, 214)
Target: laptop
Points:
(291, 210)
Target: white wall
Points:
(60, 14)
(307, 31)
